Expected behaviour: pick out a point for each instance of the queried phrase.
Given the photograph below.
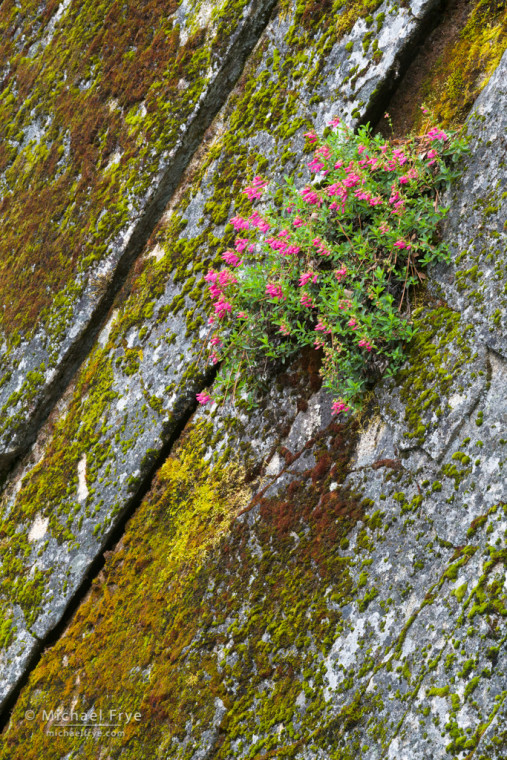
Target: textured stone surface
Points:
(291, 586)
(475, 284)
(141, 378)
(102, 110)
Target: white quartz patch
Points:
(39, 528)
(82, 488)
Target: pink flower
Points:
(241, 244)
(241, 315)
(340, 274)
(211, 276)
(432, 155)
(362, 196)
(309, 276)
(306, 301)
(364, 344)
(336, 189)
(259, 222)
(226, 278)
(256, 189)
(334, 122)
(215, 291)
(399, 156)
(239, 223)
(214, 358)
(319, 245)
(404, 180)
(203, 398)
(375, 201)
(402, 244)
(351, 180)
(276, 244)
(384, 228)
(215, 341)
(311, 136)
(352, 323)
(436, 134)
(230, 258)
(311, 197)
(291, 250)
(315, 165)
(323, 151)
(339, 406)
(284, 329)
(298, 222)
(275, 291)
(222, 307)
(338, 165)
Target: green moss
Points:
(465, 65)
(171, 599)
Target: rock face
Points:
(287, 585)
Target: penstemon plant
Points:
(335, 265)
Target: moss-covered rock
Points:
(140, 379)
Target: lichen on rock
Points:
(288, 585)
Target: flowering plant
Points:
(335, 265)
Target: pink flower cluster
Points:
(217, 283)
(436, 134)
(275, 291)
(321, 248)
(372, 200)
(203, 398)
(222, 307)
(257, 221)
(351, 180)
(315, 165)
(323, 151)
(310, 196)
(231, 259)
(240, 244)
(306, 301)
(239, 223)
(396, 201)
(412, 174)
(281, 244)
(339, 406)
(432, 157)
(308, 277)
(365, 344)
(256, 189)
(340, 274)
